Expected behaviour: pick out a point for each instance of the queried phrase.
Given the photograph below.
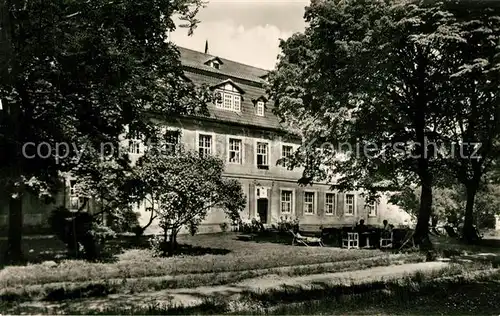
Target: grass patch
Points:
(419, 294)
(454, 292)
(139, 263)
(150, 284)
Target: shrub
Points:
(223, 227)
(286, 224)
(78, 230)
(159, 246)
(254, 226)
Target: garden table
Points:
(367, 236)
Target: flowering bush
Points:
(251, 227)
(288, 223)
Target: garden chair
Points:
(386, 239)
(350, 241)
(297, 237)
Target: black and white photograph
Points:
(249, 157)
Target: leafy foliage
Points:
(78, 72)
(184, 187)
(372, 87)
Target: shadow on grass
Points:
(37, 250)
(189, 250)
(92, 290)
(269, 237)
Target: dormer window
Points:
(260, 108)
(260, 105)
(228, 101)
(214, 63)
(228, 96)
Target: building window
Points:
(75, 201)
(135, 143)
(228, 101)
(216, 65)
(286, 201)
(205, 145)
(260, 108)
(235, 151)
(171, 141)
(262, 155)
(286, 152)
(309, 203)
(330, 204)
(372, 208)
(349, 204)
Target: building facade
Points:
(243, 131)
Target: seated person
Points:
(386, 231)
(361, 227)
(386, 225)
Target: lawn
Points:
(214, 259)
(453, 291)
(205, 260)
(212, 253)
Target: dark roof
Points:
(193, 59)
(245, 77)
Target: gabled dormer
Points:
(215, 63)
(228, 95)
(260, 105)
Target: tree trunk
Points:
(434, 222)
(140, 231)
(469, 232)
(421, 235)
(14, 252)
(173, 242)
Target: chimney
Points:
(206, 47)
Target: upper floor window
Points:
(330, 204)
(286, 201)
(372, 208)
(309, 203)
(135, 145)
(171, 141)
(286, 151)
(235, 149)
(349, 204)
(260, 108)
(262, 155)
(205, 145)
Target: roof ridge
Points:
(222, 58)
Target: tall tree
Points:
(473, 58)
(365, 79)
(76, 73)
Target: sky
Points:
(246, 31)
